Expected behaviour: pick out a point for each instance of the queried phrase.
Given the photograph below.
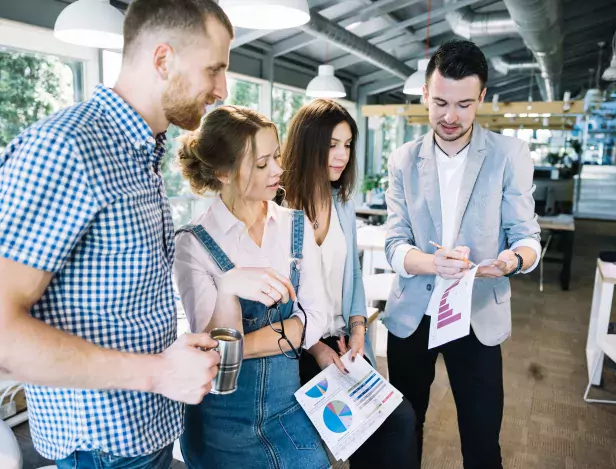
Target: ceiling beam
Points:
(555, 108)
(436, 14)
(389, 44)
(333, 13)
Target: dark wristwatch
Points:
(518, 268)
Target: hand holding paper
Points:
(505, 263)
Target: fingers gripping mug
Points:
(231, 350)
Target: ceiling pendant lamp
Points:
(90, 23)
(266, 14)
(610, 73)
(414, 84)
(325, 84)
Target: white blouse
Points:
(197, 276)
(333, 257)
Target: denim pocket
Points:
(299, 429)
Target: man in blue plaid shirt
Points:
(87, 313)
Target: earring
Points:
(228, 181)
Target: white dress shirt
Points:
(333, 257)
(450, 175)
(197, 276)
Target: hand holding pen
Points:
(452, 263)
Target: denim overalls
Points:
(260, 425)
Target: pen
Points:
(441, 247)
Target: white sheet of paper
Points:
(450, 308)
(347, 409)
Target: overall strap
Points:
(297, 234)
(297, 244)
(218, 255)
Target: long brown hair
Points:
(305, 157)
(219, 145)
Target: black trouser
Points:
(393, 445)
(476, 376)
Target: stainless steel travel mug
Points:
(231, 350)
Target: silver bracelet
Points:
(359, 323)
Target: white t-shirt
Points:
(333, 257)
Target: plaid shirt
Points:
(81, 195)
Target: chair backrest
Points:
(10, 454)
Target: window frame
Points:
(37, 40)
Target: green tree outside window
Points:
(31, 88)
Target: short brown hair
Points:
(186, 16)
(305, 157)
(218, 146)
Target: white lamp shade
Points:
(610, 73)
(414, 83)
(266, 14)
(325, 84)
(91, 23)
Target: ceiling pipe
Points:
(540, 24)
(324, 29)
(468, 24)
(504, 67)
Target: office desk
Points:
(563, 226)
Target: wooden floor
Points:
(547, 425)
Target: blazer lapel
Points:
(476, 155)
(428, 175)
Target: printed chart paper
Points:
(450, 308)
(347, 409)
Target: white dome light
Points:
(414, 83)
(610, 73)
(91, 23)
(325, 84)
(266, 14)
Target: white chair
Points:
(599, 342)
(10, 454)
(377, 287)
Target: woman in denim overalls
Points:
(241, 256)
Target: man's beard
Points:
(453, 137)
(181, 110)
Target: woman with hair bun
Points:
(242, 256)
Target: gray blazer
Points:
(495, 209)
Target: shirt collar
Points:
(132, 124)
(226, 220)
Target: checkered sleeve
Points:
(46, 203)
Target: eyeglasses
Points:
(274, 316)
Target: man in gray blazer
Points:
(469, 190)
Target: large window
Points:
(243, 93)
(32, 86)
(285, 103)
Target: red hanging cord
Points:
(428, 31)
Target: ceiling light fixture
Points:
(266, 14)
(610, 73)
(90, 23)
(414, 84)
(325, 84)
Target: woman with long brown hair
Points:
(320, 172)
(238, 265)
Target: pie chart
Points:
(337, 417)
(318, 390)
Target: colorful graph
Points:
(337, 417)
(445, 312)
(318, 390)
